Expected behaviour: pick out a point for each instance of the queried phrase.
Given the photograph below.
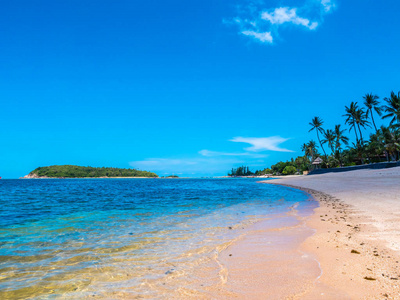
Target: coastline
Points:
(356, 240)
(264, 262)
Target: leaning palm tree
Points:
(371, 102)
(350, 117)
(316, 124)
(392, 109)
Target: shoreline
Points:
(264, 261)
(359, 258)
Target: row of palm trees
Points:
(383, 143)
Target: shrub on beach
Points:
(289, 170)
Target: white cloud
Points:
(261, 36)
(328, 5)
(262, 23)
(262, 144)
(283, 15)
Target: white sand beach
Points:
(357, 240)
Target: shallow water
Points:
(125, 237)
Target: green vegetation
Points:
(382, 145)
(266, 171)
(289, 170)
(241, 171)
(70, 171)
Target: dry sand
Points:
(357, 240)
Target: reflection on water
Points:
(123, 237)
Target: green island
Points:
(71, 171)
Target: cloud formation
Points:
(263, 24)
(328, 5)
(287, 15)
(261, 36)
(263, 144)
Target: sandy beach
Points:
(357, 239)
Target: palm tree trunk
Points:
(359, 129)
(355, 131)
(326, 158)
(321, 143)
(373, 121)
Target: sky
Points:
(191, 88)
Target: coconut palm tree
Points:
(359, 150)
(376, 145)
(391, 138)
(340, 138)
(304, 149)
(329, 137)
(316, 124)
(350, 117)
(360, 117)
(371, 102)
(310, 150)
(392, 109)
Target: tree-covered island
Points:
(71, 171)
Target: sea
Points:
(128, 238)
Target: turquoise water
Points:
(97, 237)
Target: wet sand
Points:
(357, 239)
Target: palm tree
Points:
(392, 109)
(376, 145)
(310, 150)
(304, 149)
(316, 124)
(391, 138)
(360, 117)
(350, 117)
(359, 151)
(340, 137)
(371, 102)
(329, 137)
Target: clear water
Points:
(95, 237)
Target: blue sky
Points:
(185, 87)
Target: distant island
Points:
(71, 171)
